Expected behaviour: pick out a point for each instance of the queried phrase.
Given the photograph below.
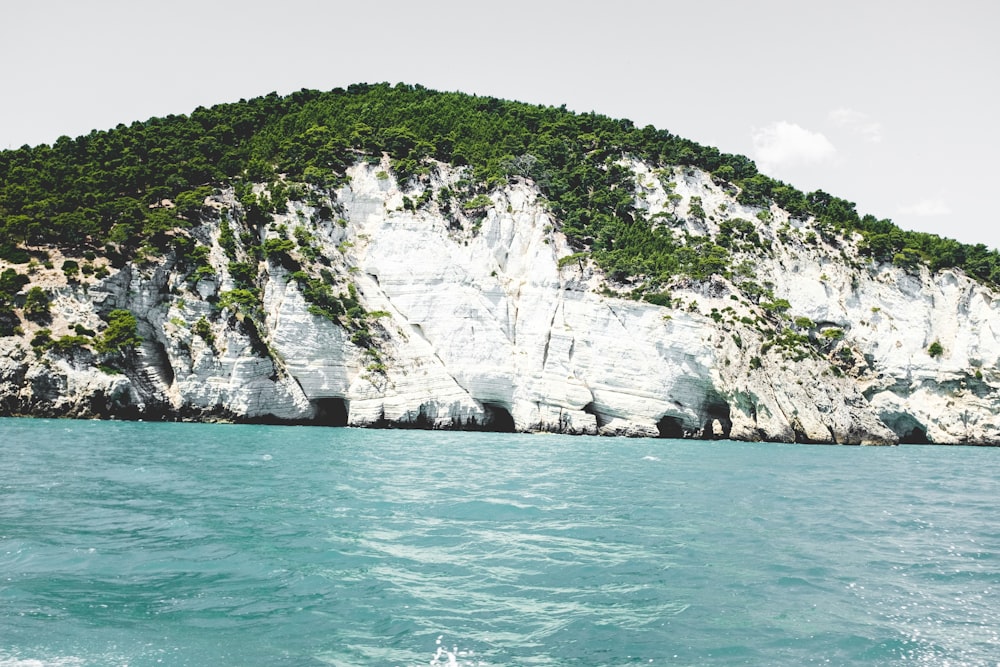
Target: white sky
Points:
(892, 104)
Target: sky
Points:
(889, 104)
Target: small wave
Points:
(64, 661)
(456, 657)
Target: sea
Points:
(161, 544)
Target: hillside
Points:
(398, 256)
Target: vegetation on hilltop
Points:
(104, 192)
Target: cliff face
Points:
(467, 318)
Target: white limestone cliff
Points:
(474, 323)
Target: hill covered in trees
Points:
(394, 256)
(103, 193)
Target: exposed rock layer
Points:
(476, 325)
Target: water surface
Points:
(183, 544)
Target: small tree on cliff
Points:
(37, 305)
(121, 334)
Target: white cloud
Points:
(782, 144)
(858, 123)
(926, 208)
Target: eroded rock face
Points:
(473, 322)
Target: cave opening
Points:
(718, 411)
(163, 367)
(331, 411)
(670, 427)
(909, 430)
(915, 436)
(498, 418)
(598, 417)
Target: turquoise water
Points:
(182, 544)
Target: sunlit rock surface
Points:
(475, 324)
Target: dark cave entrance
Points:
(163, 367)
(598, 417)
(915, 436)
(909, 430)
(718, 411)
(330, 411)
(800, 436)
(498, 418)
(670, 427)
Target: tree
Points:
(11, 283)
(71, 268)
(37, 305)
(935, 350)
(908, 258)
(778, 305)
(121, 334)
(190, 202)
(87, 191)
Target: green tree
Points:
(190, 202)
(907, 259)
(71, 268)
(121, 334)
(37, 305)
(203, 329)
(98, 188)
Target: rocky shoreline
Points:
(471, 320)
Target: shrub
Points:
(273, 247)
(935, 350)
(41, 341)
(204, 272)
(227, 240)
(479, 201)
(121, 334)
(661, 299)
(244, 274)
(778, 305)
(576, 257)
(695, 208)
(833, 333)
(239, 299)
(71, 269)
(67, 344)
(320, 296)
(13, 254)
(362, 338)
(37, 305)
(203, 329)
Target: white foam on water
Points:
(63, 661)
(456, 657)
(110, 659)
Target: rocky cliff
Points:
(476, 313)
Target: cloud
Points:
(783, 144)
(857, 122)
(926, 208)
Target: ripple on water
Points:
(192, 545)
